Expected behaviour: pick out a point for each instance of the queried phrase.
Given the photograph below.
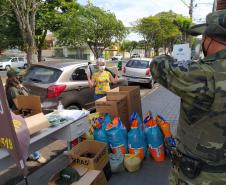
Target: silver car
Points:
(67, 81)
(138, 70)
(13, 62)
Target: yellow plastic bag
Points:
(132, 162)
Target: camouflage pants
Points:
(177, 178)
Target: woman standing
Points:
(101, 80)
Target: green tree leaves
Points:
(91, 26)
(162, 30)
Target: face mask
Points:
(205, 50)
(101, 68)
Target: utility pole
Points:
(191, 7)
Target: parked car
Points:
(138, 70)
(117, 57)
(135, 55)
(66, 81)
(13, 62)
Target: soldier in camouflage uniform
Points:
(201, 133)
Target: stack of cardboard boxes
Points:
(121, 102)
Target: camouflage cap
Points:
(215, 25)
(13, 73)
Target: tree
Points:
(161, 30)
(129, 46)
(91, 26)
(150, 29)
(183, 24)
(50, 17)
(9, 29)
(25, 11)
(170, 32)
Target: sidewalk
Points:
(165, 103)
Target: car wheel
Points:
(7, 68)
(73, 107)
(25, 66)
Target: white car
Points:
(13, 62)
(138, 70)
(117, 57)
(135, 55)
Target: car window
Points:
(21, 59)
(141, 64)
(14, 60)
(41, 74)
(5, 59)
(79, 74)
(95, 69)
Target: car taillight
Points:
(148, 72)
(124, 69)
(55, 90)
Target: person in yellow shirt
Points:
(101, 80)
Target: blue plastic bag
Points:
(99, 134)
(136, 140)
(115, 139)
(140, 127)
(118, 123)
(106, 120)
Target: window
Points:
(14, 60)
(21, 59)
(40, 74)
(79, 74)
(5, 59)
(141, 64)
(94, 69)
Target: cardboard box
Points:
(29, 102)
(88, 177)
(133, 98)
(90, 154)
(36, 121)
(116, 107)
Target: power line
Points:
(185, 3)
(190, 6)
(193, 5)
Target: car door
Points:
(21, 62)
(79, 92)
(14, 62)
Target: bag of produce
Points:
(115, 139)
(132, 162)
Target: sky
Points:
(130, 10)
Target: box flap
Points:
(88, 178)
(36, 123)
(28, 102)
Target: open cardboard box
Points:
(87, 177)
(90, 154)
(37, 120)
